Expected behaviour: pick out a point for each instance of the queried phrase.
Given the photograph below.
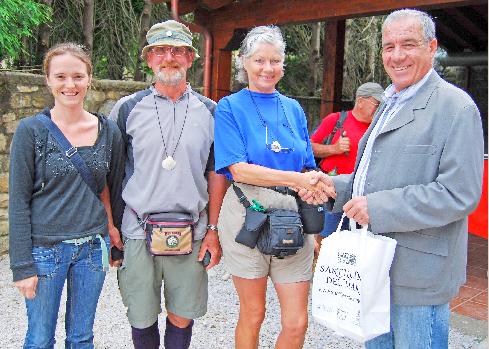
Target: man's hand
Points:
(320, 191)
(115, 240)
(357, 210)
(211, 243)
(27, 287)
(317, 246)
(320, 188)
(327, 184)
(342, 145)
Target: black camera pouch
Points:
(276, 232)
(252, 227)
(312, 217)
(283, 235)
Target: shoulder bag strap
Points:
(246, 203)
(337, 126)
(70, 151)
(241, 196)
(329, 139)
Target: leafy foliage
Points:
(17, 19)
(67, 24)
(298, 39)
(362, 62)
(116, 33)
(115, 36)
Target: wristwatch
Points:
(212, 227)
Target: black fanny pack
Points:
(275, 232)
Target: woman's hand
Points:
(27, 287)
(315, 187)
(115, 237)
(115, 240)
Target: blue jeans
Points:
(419, 327)
(331, 221)
(81, 265)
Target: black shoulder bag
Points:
(275, 232)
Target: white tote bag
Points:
(351, 285)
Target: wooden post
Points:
(221, 66)
(333, 52)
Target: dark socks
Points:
(146, 338)
(177, 338)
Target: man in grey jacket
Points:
(417, 177)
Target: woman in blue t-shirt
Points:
(261, 141)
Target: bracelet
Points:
(212, 227)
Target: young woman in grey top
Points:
(58, 227)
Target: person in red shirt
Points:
(339, 156)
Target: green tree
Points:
(18, 19)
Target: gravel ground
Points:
(213, 331)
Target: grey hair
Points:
(268, 34)
(427, 24)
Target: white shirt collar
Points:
(188, 89)
(407, 92)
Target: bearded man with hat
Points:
(169, 132)
(344, 131)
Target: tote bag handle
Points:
(353, 226)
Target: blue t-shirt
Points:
(241, 136)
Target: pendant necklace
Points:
(275, 146)
(169, 161)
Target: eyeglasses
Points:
(176, 51)
(375, 104)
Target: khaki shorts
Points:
(140, 279)
(249, 263)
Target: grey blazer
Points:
(424, 178)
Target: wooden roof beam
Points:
(449, 33)
(481, 10)
(246, 15)
(466, 22)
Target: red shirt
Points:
(354, 130)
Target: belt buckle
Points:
(79, 241)
(70, 152)
(282, 190)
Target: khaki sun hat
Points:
(371, 89)
(171, 33)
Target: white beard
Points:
(171, 79)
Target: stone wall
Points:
(22, 95)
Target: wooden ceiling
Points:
(461, 25)
(462, 29)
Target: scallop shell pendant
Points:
(276, 147)
(168, 163)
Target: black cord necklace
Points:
(169, 161)
(275, 146)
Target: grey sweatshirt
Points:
(48, 200)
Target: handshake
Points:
(315, 187)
